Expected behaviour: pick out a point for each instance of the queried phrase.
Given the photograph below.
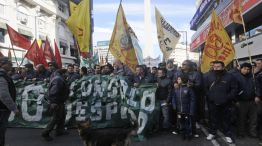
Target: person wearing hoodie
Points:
(220, 90)
(245, 101)
(184, 101)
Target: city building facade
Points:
(37, 19)
(253, 20)
(102, 50)
(180, 54)
(151, 62)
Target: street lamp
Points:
(183, 31)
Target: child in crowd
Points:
(183, 102)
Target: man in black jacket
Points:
(259, 97)
(220, 89)
(246, 100)
(163, 94)
(7, 97)
(58, 92)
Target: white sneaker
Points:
(210, 136)
(229, 140)
(174, 132)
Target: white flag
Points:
(167, 36)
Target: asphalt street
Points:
(31, 137)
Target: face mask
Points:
(218, 72)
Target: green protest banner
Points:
(107, 101)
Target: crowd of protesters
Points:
(229, 101)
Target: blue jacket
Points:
(194, 77)
(220, 91)
(184, 100)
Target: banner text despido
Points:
(107, 101)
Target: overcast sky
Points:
(177, 12)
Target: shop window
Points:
(61, 7)
(63, 48)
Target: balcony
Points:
(254, 44)
(47, 5)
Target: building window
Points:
(73, 51)
(22, 18)
(2, 35)
(61, 7)
(63, 48)
(41, 24)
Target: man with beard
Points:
(108, 69)
(220, 89)
(194, 83)
(71, 75)
(140, 76)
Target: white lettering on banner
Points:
(81, 112)
(148, 101)
(96, 112)
(98, 90)
(72, 87)
(111, 108)
(113, 87)
(142, 121)
(125, 110)
(124, 87)
(11, 117)
(132, 94)
(39, 92)
(69, 111)
(86, 88)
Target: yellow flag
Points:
(218, 45)
(79, 24)
(39, 42)
(72, 6)
(121, 45)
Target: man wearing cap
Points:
(7, 97)
(246, 105)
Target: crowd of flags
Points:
(124, 43)
(35, 53)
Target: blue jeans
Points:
(4, 115)
(165, 113)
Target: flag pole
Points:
(13, 52)
(248, 48)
